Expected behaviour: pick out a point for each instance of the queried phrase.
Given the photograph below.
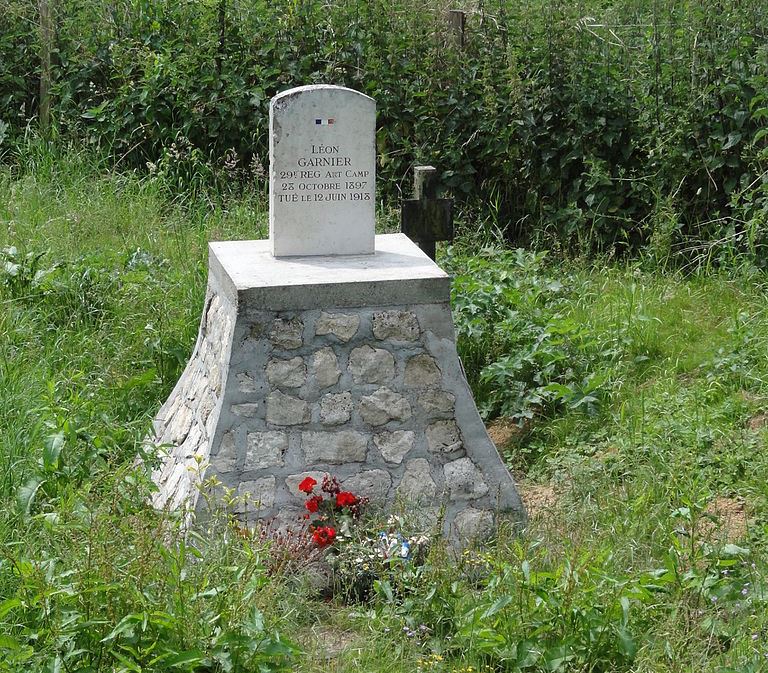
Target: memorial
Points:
(322, 172)
(329, 350)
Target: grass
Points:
(648, 556)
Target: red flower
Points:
(307, 484)
(313, 503)
(345, 499)
(324, 536)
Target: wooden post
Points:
(424, 182)
(46, 43)
(222, 12)
(457, 20)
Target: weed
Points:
(640, 393)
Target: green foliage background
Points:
(641, 399)
(589, 125)
(640, 396)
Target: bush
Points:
(647, 121)
(522, 354)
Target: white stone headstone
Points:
(322, 175)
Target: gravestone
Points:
(341, 363)
(425, 219)
(322, 172)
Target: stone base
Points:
(331, 365)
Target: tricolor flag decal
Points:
(325, 122)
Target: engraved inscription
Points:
(322, 175)
(308, 186)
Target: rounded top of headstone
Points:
(322, 172)
(307, 88)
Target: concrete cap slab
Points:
(397, 273)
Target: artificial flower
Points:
(324, 536)
(345, 499)
(313, 503)
(307, 484)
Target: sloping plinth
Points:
(331, 365)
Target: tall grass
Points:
(589, 126)
(641, 457)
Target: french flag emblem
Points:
(324, 122)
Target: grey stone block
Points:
(207, 404)
(225, 460)
(249, 409)
(416, 484)
(472, 525)
(198, 385)
(336, 448)
(325, 367)
(265, 449)
(384, 405)
(371, 365)
(373, 484)
(287, 373)
(283, 409)
(342, 325)
(443, 437)
(436, 401)
(179, 426)
(398, 274)
(165, 416)
(464, 480)
(257, 494)
(421, 371)
(396, 325)
(286, 334)
(336, 408)
(394, 446)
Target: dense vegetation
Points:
(586, 125)
(642, 399)
(633, 395)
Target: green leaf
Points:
(25, 495)
(53, 445)
(126, 626)
(183, 658)
(624, 608)
(95, 112)
(8, 643)
(734, 137)
(626, 643)
(498, 604)
(384, 587)
(556, 657)
(735, 550)
(125, 661)
(9, 604)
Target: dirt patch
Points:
(328, 642)
(538, 499)
(758, 422)
(726, 520)
(607, 453)
(503, 432)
